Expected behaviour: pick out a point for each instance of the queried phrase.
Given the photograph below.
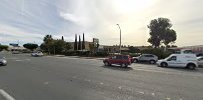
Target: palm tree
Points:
(47, 42)
(83, 42)
(79, 44)
(75, 44)
(47, 39)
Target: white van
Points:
(179, 60)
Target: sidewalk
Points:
(97, 58)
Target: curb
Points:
(76, 57)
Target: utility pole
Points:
(120, 36)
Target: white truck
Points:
(184, 59)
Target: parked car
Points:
(179, 60)
(146, 58)
(37, 54)
(200, 61)
(15, 52)
(3, 61)
(123, 60)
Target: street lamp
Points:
(120, 36)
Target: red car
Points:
(123, 60)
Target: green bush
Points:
(77, 53)
(3, 47)
(85, 53)
(159, 52)
(134, 54)
(70, 53)
(101, 54)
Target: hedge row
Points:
(160, 53)
(85, 53)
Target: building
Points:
(15, 47)
(198, 49)
(87, 45)
(112, 49)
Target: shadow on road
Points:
(184, 69)
(143, 63)
(173, 68)
(114, 67)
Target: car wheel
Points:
(191, 66)
(135, 61)
(106, 64)
(122, 65)
(126, 65)
(152, 62)
(163, 64)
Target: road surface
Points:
(67, 78)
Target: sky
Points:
(28, 21)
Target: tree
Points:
(58, 46)
(76, 43)
(133, 49)
(55, 46)
(47, 39)
(169, 37)
(62, 38)
(91, 46)
(30, 46)
(160, 32)
(79, 44)
(3, 47)
(67, 46)
(48, 42)
(83, 42)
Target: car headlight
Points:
(4, 61)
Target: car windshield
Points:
(200, 58)
(101, 49)
(125, 57)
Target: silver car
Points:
(200, 61)
(3, 61)
(152, 59)
(37, 54)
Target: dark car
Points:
(123, 60)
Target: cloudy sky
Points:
(28, 21)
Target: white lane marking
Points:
(87, 80)
(153, 94)
(120, 87)
(101, 83)
(23, 60)
(11, 58)
(6, 95)
(19, 60)
(180, 99)
(141, 92)
(167, 98)
(46, 83)
(27, 59)
(74, 77)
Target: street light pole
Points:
(120, 36)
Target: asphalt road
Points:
(66, 78)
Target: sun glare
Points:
(129, 6)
